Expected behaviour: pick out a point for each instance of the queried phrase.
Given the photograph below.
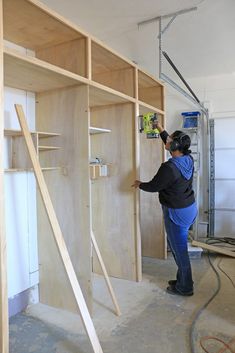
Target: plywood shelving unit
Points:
(80, 83)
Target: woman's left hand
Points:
(136, 184)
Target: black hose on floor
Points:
(192, 327)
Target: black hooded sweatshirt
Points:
(174, 190)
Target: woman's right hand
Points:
(159, 126)
(136, 184)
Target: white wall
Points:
(218, 91)
(20, 201)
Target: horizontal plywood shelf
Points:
(31, 74)
(101, 95)
(97, 130)
(146, 108)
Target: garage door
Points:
(224, 176)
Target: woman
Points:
(174, 181)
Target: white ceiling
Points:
(200, 43)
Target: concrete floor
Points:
(152, 321)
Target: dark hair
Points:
(181, 142)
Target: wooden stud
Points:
(86, 319)
(214, 248)
(106, 277)
(88, 58)
(151, 218)
(137, 196)
(4, 327)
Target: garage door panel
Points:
(224, 224)
(225, 194)
(225, 164)
(224, 140)
(224, 159)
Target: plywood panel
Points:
(120, 80)
(150, 90)
(104, 60)
(145, 80)
(151, 95)
(66, 112)
(23, 26)
(113, 199)
(151, 219)
(70, 56)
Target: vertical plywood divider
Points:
(113, 199)
(4, 329)
(151, 220)
(89, 327)
(137, 197)
(88, 58)
(66, 112)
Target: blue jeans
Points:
(177, 241)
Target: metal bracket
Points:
(163, 76)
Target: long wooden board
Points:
(105, 273)
(214, 248)
(87, 322)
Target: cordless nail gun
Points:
(148, 125)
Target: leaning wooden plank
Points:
(106, 277)
(87, 322)
(4, 327)
(214, 248)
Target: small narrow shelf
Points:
(44, 169)
(18, 156)
(190, 129)
(15, 170)
(46, 134)
(13, 132)
(48, 148)
(97, 130)
(98, 171)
